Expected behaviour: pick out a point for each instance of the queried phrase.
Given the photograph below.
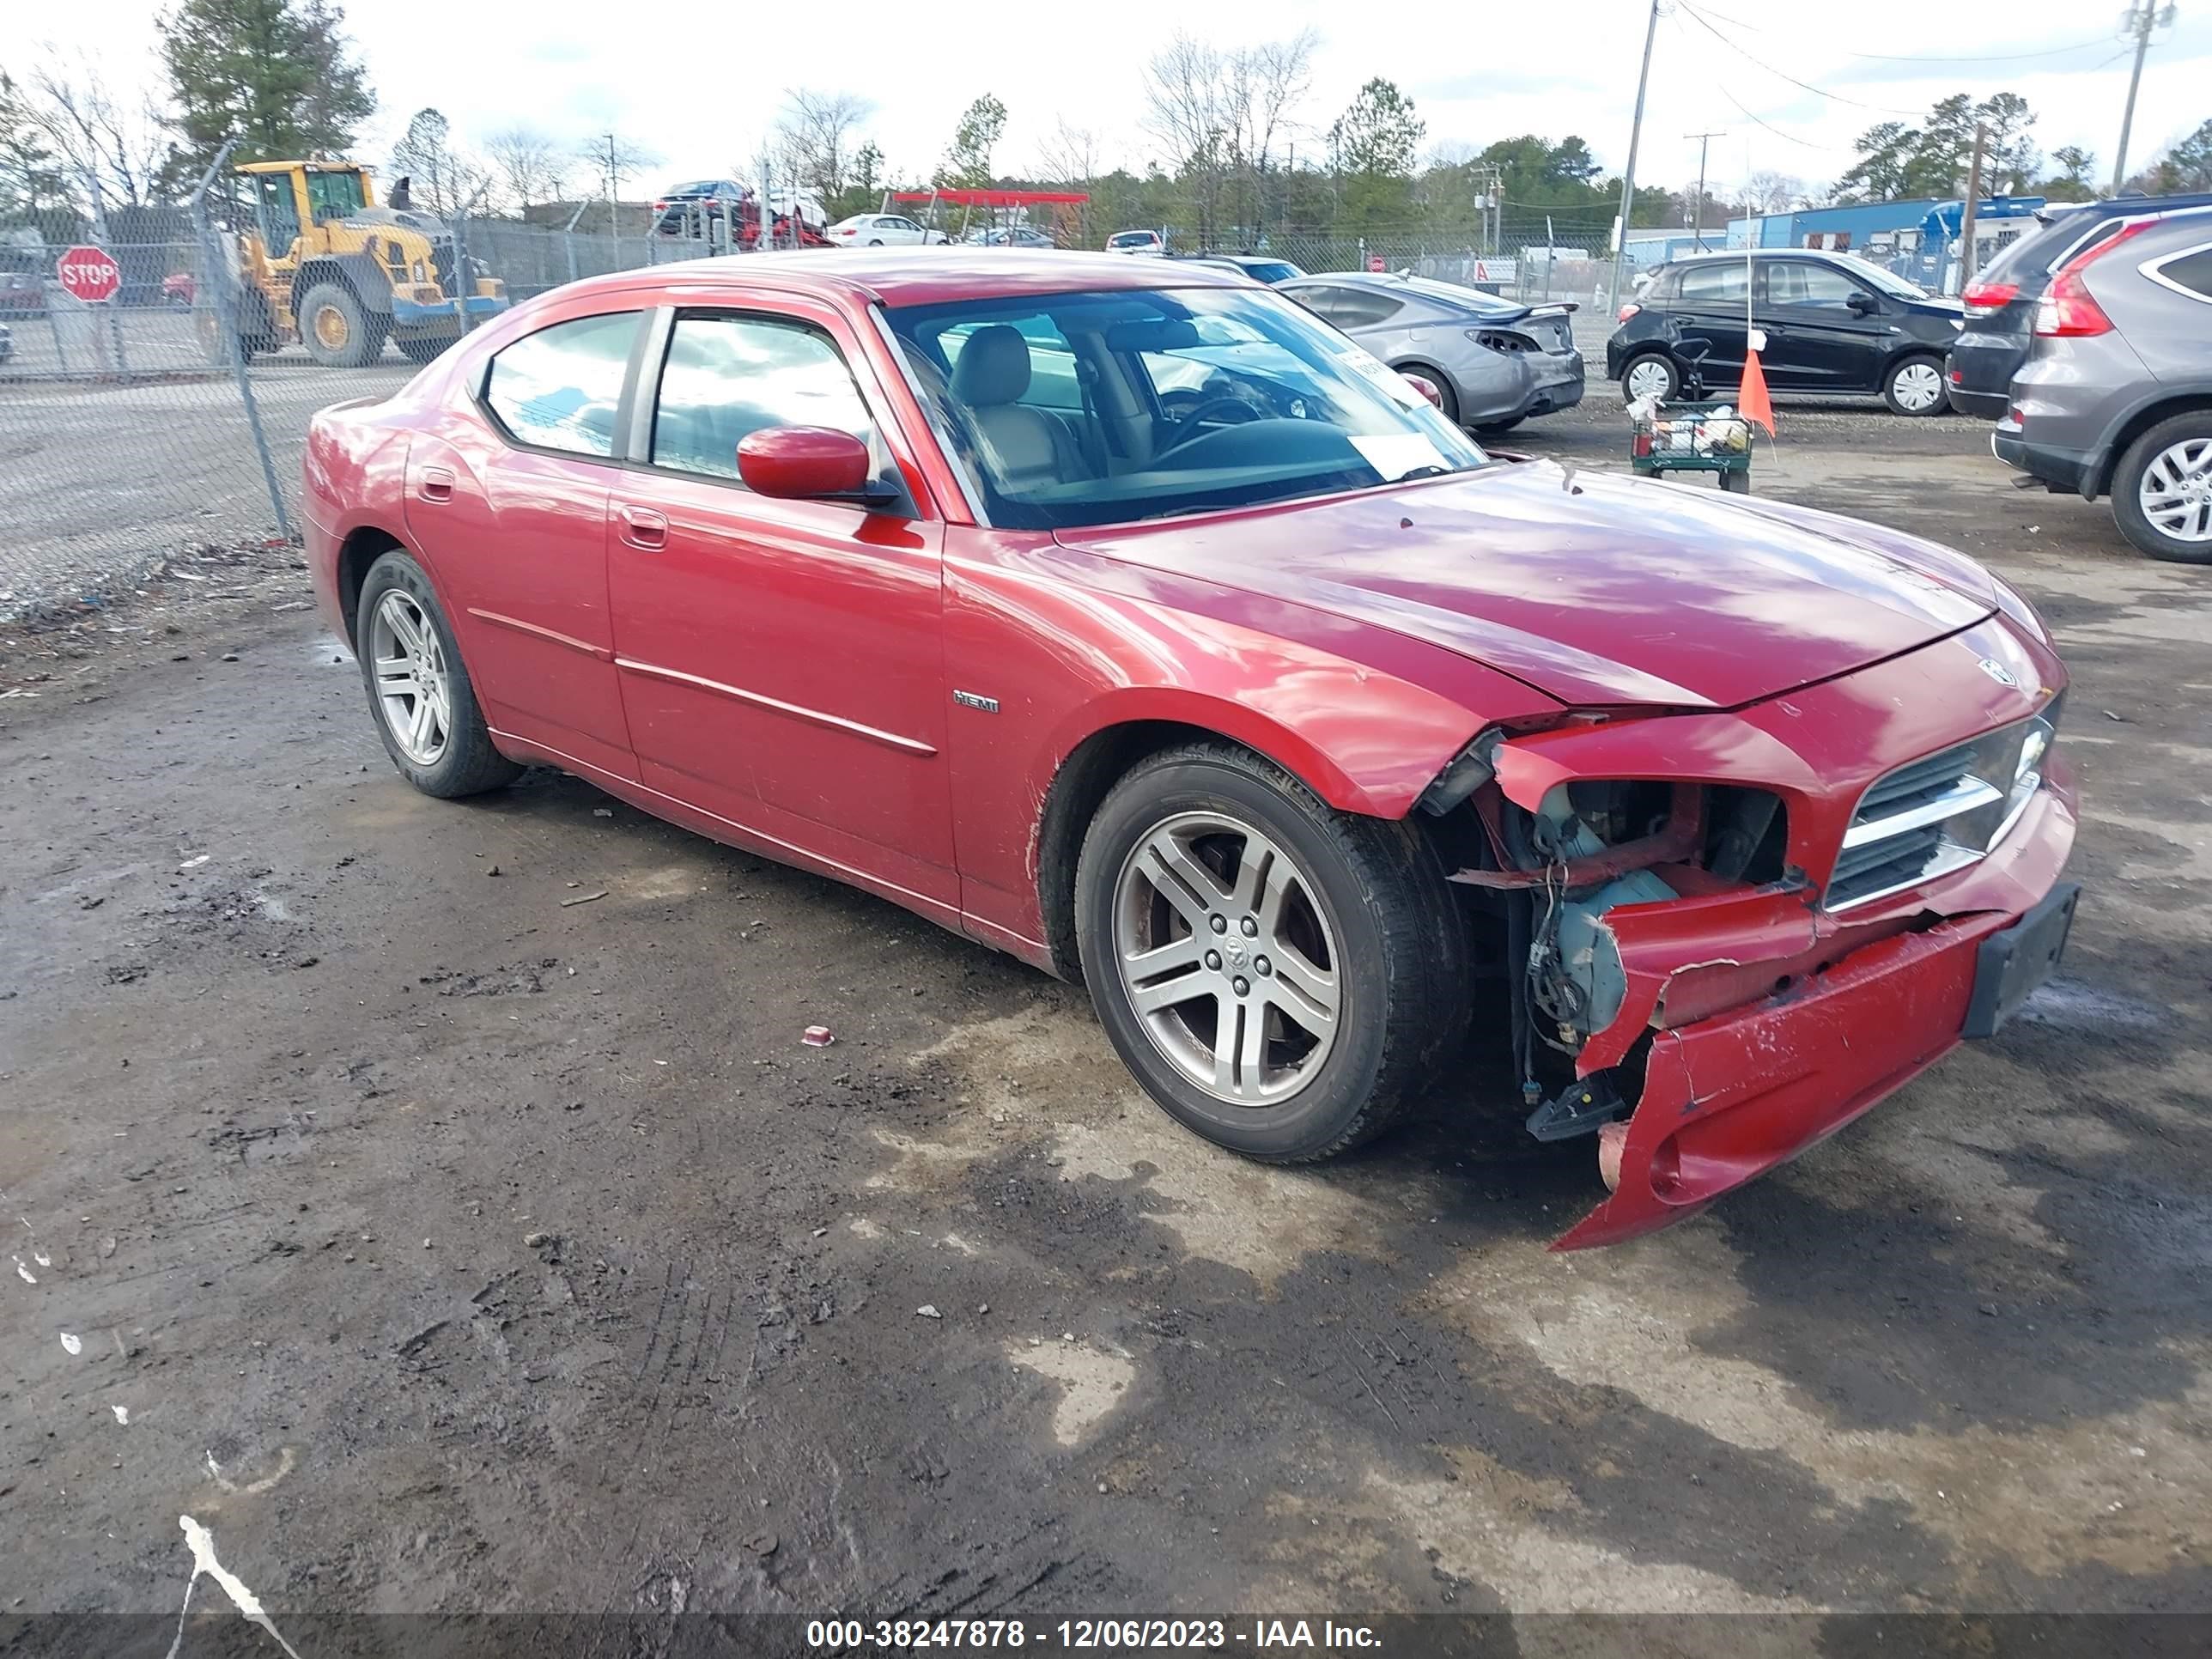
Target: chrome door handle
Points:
(642, 527)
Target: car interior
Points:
(1081, 409)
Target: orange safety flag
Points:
(1751, 400)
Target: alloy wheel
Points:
(2176, 491)
(413, 692)
(1227, 958)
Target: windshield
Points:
(1887, 281)
(1271, 270)
(1105, 408)
(1131, 239)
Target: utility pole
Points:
(1697, 227)
(1970, 210)
(2140, 20)
(1628, 174)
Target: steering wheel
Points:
(1212, 408)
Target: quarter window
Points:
(560, 388)
(2191, 270)
(729, 375)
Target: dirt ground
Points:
(451, 1247)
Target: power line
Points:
(1914, 57)
(1836, 97)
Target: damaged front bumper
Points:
(1747, 1018)
(1727, 1096)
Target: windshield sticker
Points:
(1395, 454)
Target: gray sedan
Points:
(1497, 361)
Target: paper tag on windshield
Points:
(1393, 455)
(1371, 367)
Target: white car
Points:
(881, 230)
(1136, 241)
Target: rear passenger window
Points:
(1712, 284)
(727, 376)
(559, 388)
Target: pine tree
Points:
(277, 75)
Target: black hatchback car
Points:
(1832, 324)
(2001, 303)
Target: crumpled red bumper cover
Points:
(1727, 1098)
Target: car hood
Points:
(1594, 589)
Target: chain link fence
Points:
(170, 417)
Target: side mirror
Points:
(806, 463)
(1428, 388)
(1863, 303)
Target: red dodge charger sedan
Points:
(1123, 616)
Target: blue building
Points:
(1914, 238)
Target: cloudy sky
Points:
(698, 84)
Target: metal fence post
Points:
(220, 264)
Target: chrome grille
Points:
(1940, 813)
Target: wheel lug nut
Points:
(1242, 986)
(1219, 924)
(1251, 927)
(1262, 966)
(1213, 960)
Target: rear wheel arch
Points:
(2125, 434)
(1442, 381)
(358, 555)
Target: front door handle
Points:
(437, 483)
(642, 527)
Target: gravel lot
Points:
(452, 1249)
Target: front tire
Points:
(2162, 489)
(419, 691)
(1914, 386)
(336, 329)
(1279, 977)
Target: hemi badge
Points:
(975, 699)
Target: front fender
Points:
(1065, 646)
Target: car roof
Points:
(914, 276)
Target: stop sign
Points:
(88, 274)
(1375, 262)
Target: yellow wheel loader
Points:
(319, 261)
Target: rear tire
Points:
(1367, 895)
(1499, 429)
(1915, 386)
(1650, 373)
(336, 329)
(457, 758)
(2180, 448)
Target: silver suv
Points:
(2116, 399)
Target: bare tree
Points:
(1772, 193)
(813, 139)
(1219, 116)
(530, 166)
(1070, 158)
(109, 148)
(1186, 113)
